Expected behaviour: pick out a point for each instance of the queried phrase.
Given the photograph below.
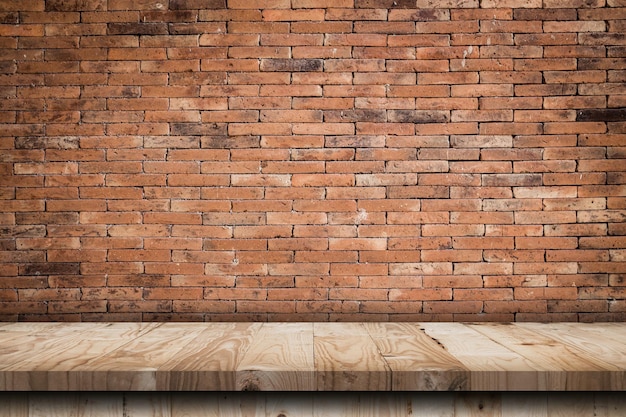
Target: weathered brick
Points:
(291, 65)
(49, 269)
(196, 4)
(601, 115)
(321, 146)
(418, 116)
(384, 4)
(137, 28)
(492, 4)
(75, 5)
(575, 3)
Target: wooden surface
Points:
(312, 357)
(309, 404)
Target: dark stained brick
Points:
(229, 142)
(367, 115)
(23, 231)
(418, 116)
(197, 4)
(601, 115)
(545, 14)
(9, 18)
(169, 16)
(138, 29)
(292, 65)
(65, 142)
(385, 4)
(197, 129)
(50, 268)
(37, 218)
(76, 5)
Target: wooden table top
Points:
(312, 357)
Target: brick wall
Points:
(313, 160)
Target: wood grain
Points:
(332, 404)
(187, 404)
(55, 365)
(209, 361)
(491, 365)
(289, 404)
(417, 362)
(13, 404)
(280, 358)
(312, 357)
(347, 359)
(525, 404)
(147, 404)
(307, 404)
(134, 365)
(574, 367)
(429, 405)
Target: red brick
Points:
(555, 39)
(321, 27)
(453, 307)
(578, 26)
(424, 15)
(531, 306)
(479, 39)
(186, 170)
(574, 51)
(277, 15)
(448, 78)
(420, 294)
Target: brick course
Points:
(312, 160)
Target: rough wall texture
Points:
(313, 160)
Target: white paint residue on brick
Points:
(466, 52)
(361, 217)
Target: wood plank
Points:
(214, 404)
(242, 404)
(147, 405)
(133, 367)
(610, 331)
(565, 405)
(417, 362)
(610, 350)
(326, 404)
(209, 361)
(615, 404)
(352, 404)
(51, 405)
(390, 405)
(566, 367)
(312, 356)
(280, 358)
(30, 341)
(102, 404)
(478, 405)
(29, 327)
(347, 359)
(77, 345)
(525, 404)
(190, 404)
(493, 367)
(54, 360)
(76, 404)
(13, 404)
(333, 404)
(25, 342)
(289, 404)
(439, 404)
